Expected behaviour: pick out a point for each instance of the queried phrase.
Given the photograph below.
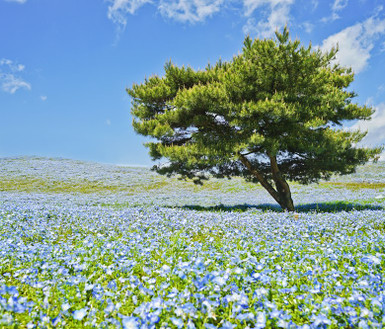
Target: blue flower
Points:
(321, 320)
(65, 307)
(177, 322)
(227, 325)
(79, 314)
(130, 322)
(210, 326)
(261, 320)
(112, 285)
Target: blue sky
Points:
(64, 65)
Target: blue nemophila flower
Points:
(321, 320)
(153, 318)
(129, 322)
(220, 280)
(363, 324)
(210, 326)
(80, 314)
(372, 260)
(12, 290)
(89, 287)
(7, 319)
(112, 285)
(13, 304)
(227, 325)
(245, 316)
(377, 305)
(65, 307)
(261, 320)
(177, 322)
(110, 307)
(283, 324)
(189, 309)
(55, 321)
(45, 319)
(162, 263)
(305, 326)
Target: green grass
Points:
(32, 184)
(355, 186)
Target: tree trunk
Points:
(281, 194)
(283, 188)
(286, 202)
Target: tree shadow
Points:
(323, 207)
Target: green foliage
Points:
(276, 100)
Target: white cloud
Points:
(181, 10)
(308, 27)
(43, 98)
(119, 9)
(275, 13)
(18, 1)
(189, 10)
(277, 17)
(13, 67)
(252, 5)
(356, 43)
(10, 82)
(375, 128)
(337, 6)
(108, 122)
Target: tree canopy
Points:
(271, 114)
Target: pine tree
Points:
(272, 114)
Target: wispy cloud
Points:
(337, 6)
(119, 9)
(189, 10)
(314, 4)
(18, 1)
(274, 13)
(356, 42)
(374, 127)
(276, 16)
(307, 26)
(10, 81)
(43, 98)
(182, 10)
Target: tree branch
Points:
(251, 152)
(260, 178)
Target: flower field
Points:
(86, 245)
